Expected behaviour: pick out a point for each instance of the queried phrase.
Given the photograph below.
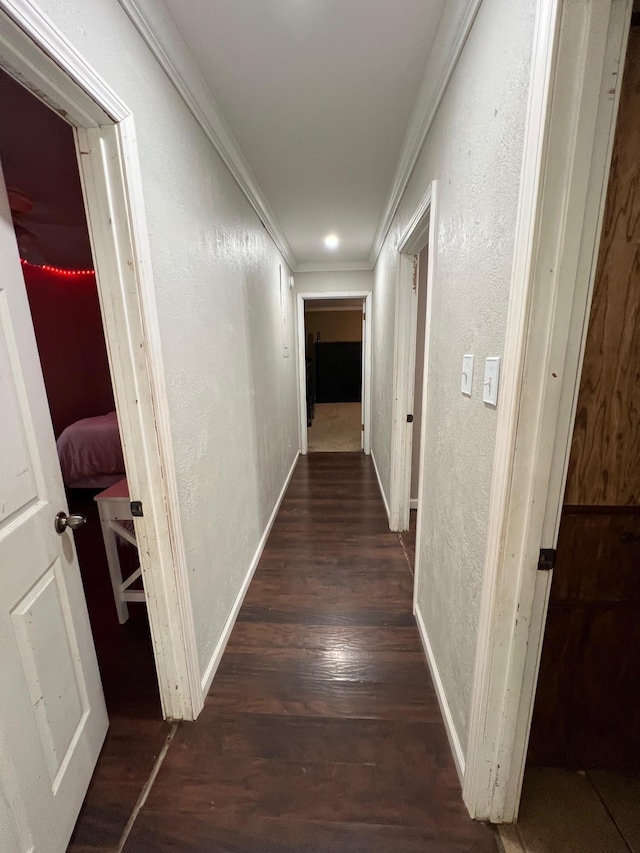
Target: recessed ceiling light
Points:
(331, 242)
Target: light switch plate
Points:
(491, 380)
(467, 375)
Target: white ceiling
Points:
(318, 94)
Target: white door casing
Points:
(40, 57)
(406, 324)
(52, 713)
(578, 50)
(419, 232)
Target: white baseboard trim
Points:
(216, 657)
(413, 503)
(452, 734)
(384, 497)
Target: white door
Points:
(52, 713)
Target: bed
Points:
(90, 453)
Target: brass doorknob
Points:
(72, 521)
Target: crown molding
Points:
(452, 33)
(42, 59)
(336, 266)
(159, 31)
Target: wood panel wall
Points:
(587, 711)
(604, 467)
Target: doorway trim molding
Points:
(366, 295)
(419, 232)
(34, 52)
(575, 86)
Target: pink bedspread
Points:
(90, 448)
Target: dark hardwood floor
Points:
(322, 730)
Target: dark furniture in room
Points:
(338, 372)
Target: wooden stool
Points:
(115, 508)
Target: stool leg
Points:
(111, 548)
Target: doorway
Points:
(409, 536)
(49, 219)
(413, 294)
(334, 370)
(53, 711)
(36, 55)
(334, 374)
(582, 782)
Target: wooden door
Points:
(587, 711)
(52, 713)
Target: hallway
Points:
(322, 731)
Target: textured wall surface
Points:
(321, 282)
(232, 394)
(474, 150)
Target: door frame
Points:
(35, 53)
(419, 232)
(579, 49)
(366, 296)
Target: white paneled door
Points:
(52, 713)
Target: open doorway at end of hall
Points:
(334, 374)
(40, 168)
(581, 788)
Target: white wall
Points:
(232, 394)
(347, 280)
(474, 149)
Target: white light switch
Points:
(491, 381)
(467, 374)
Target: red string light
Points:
(56, 270)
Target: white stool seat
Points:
(116, 520)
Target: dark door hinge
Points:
(409, 419)
(136, 509)
(547, 559)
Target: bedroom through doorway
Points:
(334, 337)
(39, 163)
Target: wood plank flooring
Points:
(322, 730)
